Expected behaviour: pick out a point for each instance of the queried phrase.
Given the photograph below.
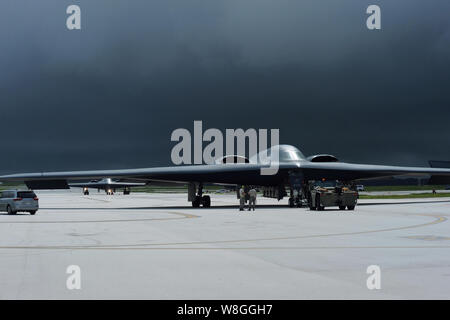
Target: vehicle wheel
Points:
(206, 201)
(291, 202)
(33, 212)
(196, 202)
(10, 211)
(318, 206)
(341, 207)
(351, 207)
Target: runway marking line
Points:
(153, 246)
(183, 216)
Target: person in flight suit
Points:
(252, 204)
(242, 195)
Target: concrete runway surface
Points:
(156, 246)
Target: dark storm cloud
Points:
(110, 95)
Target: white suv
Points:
(13, 201)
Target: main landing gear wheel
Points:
(351, 207)
(291, 202)
(206, 201)
(196, 202)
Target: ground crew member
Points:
(252, 204)
(241, 198)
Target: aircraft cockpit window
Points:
(291, 154)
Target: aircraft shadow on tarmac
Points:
(263, 206)
(16, 214)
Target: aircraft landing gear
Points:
(196, 202)
(296, 188)
(206, 201)
(126, 191)
(86, 191)
(291, 202)
(200, 199)
(295, 199)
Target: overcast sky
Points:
(109, 96)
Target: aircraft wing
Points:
(353, 171)
(232, 174)
(221, 173)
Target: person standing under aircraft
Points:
(252, 203)
(241, 198)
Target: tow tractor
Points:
(323, 193)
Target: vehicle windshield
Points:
(327, 184)
(26, 194)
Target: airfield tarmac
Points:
(155, 246)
